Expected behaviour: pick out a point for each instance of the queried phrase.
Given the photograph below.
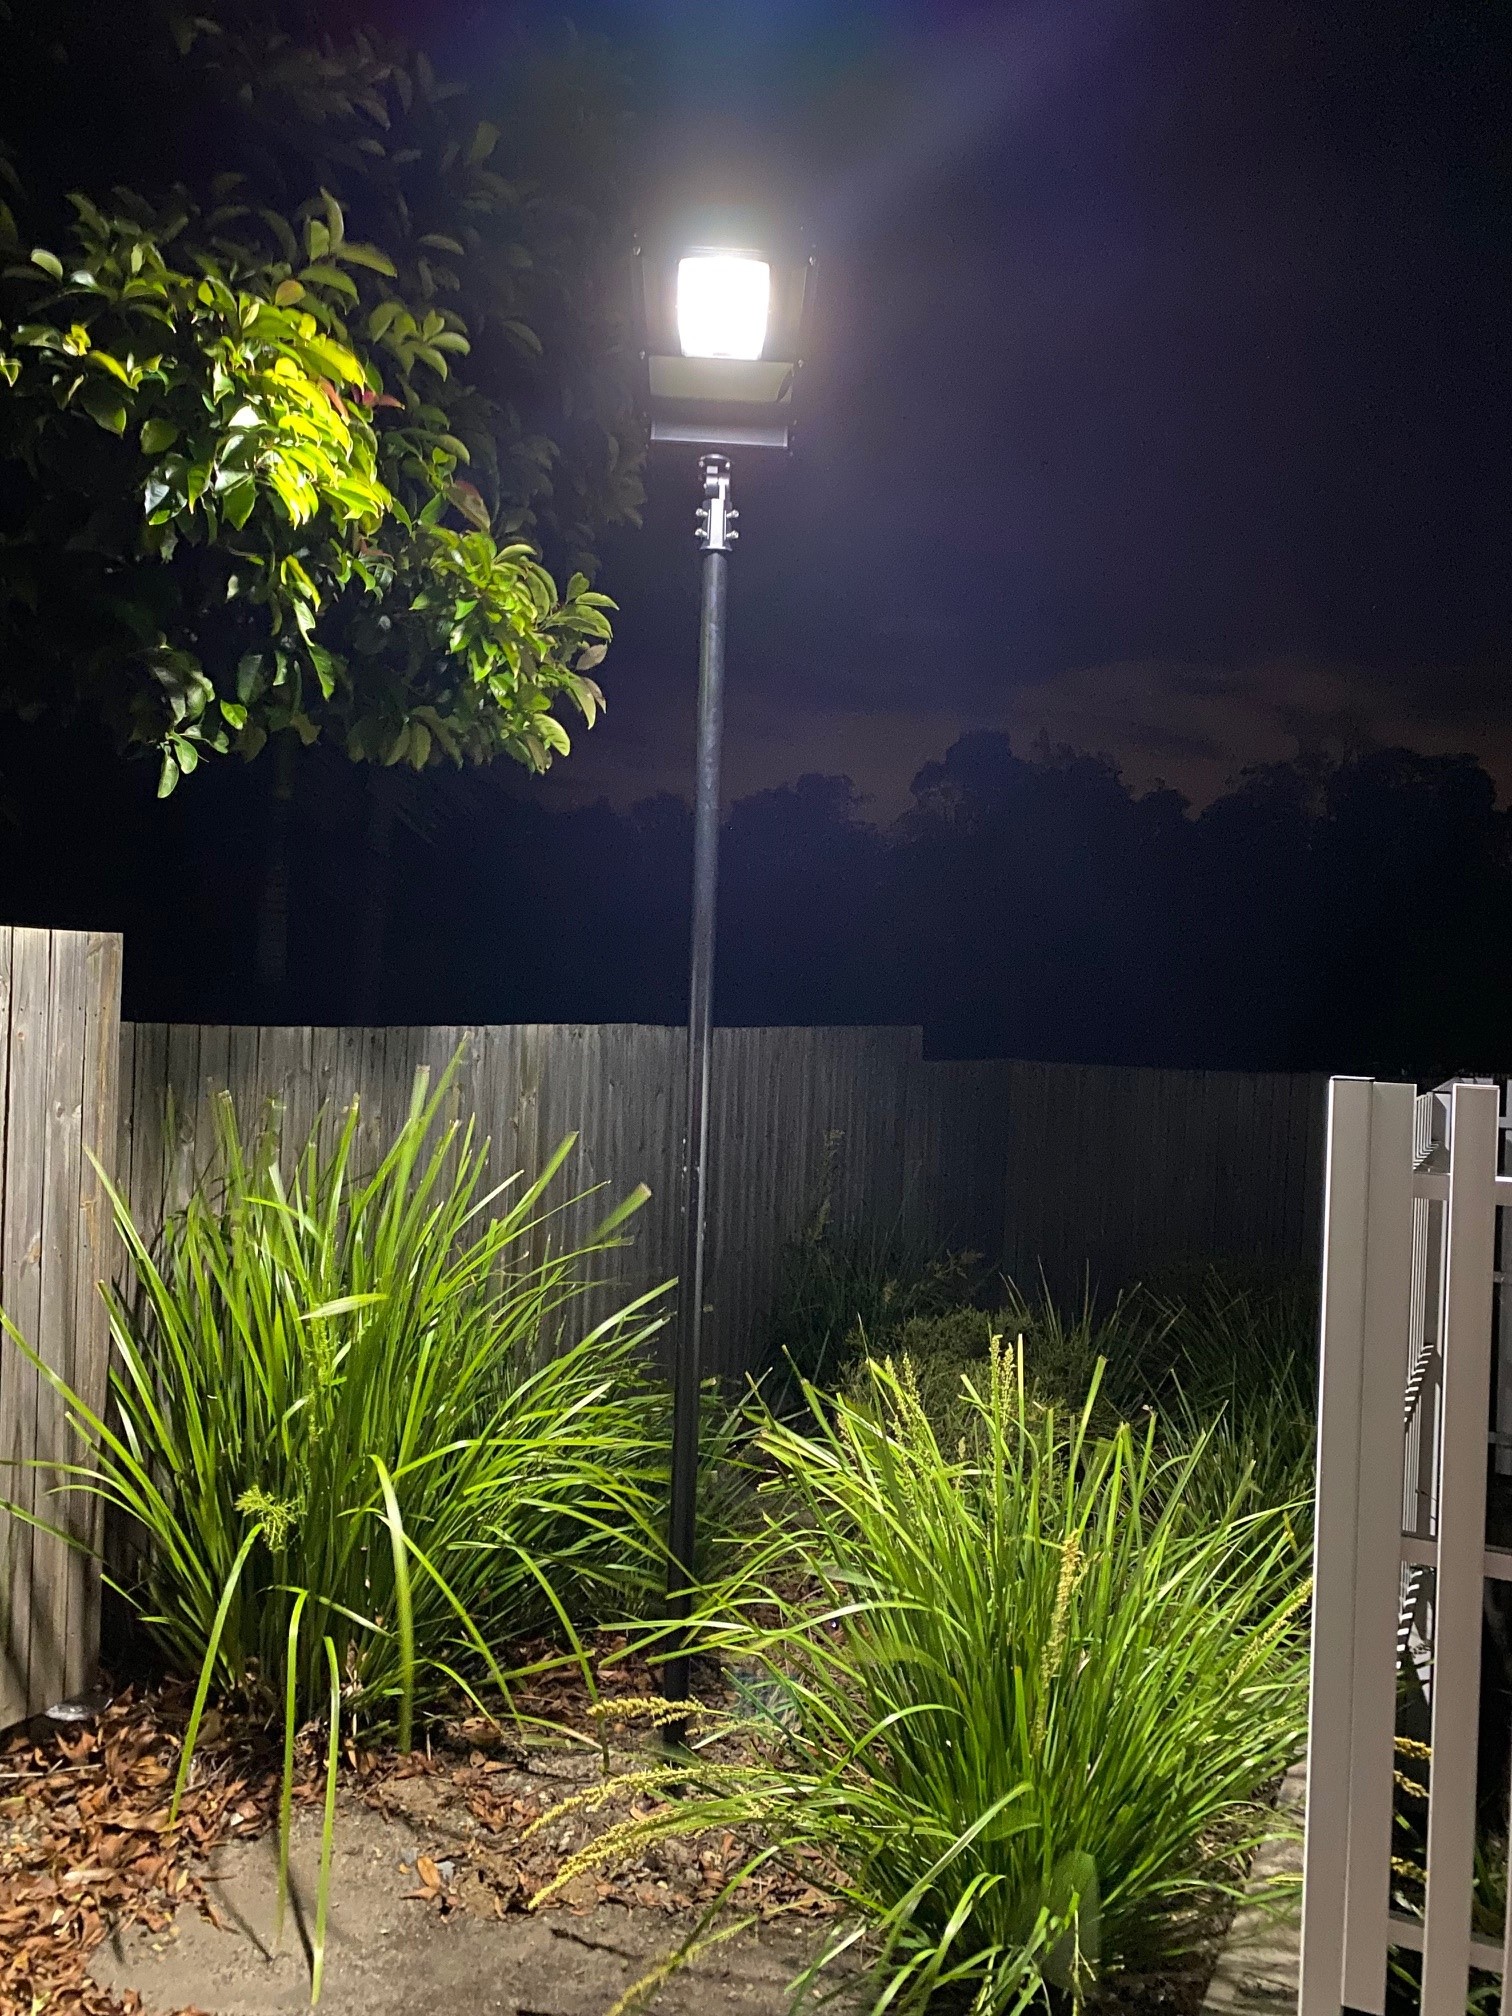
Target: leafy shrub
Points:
(342, 1411)
(939, 1351)
(1017, 1702)
(1065, 1356)
(1232, 1361)
(835, 1295)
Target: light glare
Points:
(722, 304)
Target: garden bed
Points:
(105, 1908)
(106, 1911)
(997, 1660)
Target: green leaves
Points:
(383, 318)
(522, 334)
(484, 140)
(370, 256)
(469, 501)
(238, 501)
(324, 275)
(104, 405)
(309, 435)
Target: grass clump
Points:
(348, 1406)
(1018, 1705)
(360, 1436)
(1242, 1366)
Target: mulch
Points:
(85, 1843)
(86, 1846)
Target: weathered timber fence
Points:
(60, 995)
(1099, 1173)
(1088, 1173)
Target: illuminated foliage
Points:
(259, 476)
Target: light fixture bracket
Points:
(716, 514)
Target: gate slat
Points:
(1471, 1239)
(1378, 1563)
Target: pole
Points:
(716, 535)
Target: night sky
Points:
(1159, 400)
(1157, 411)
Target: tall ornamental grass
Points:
(1019, 1707)
(354, 1443)
(1244, 1366)
(348, 1407)
(1229, 1361)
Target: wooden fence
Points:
(1089, 1173)
(60, 997)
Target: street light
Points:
(723, 317)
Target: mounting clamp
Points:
(716, 514)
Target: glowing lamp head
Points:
(723, 300)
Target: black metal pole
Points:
(716, 533)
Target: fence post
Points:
(59, 1060)
(1367, 1256)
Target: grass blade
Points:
(327, 1831)
(404, 1607)
(286, 1786)
(207, 1668)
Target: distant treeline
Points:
(1350, 915)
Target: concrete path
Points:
(1257, 1971)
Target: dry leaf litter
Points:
(85, 1844)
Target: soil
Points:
(394, 1945)
(105, 1907)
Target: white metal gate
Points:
(1407, 1416)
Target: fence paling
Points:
(1458, 1582)
(1409, 1267)
(1332, 1694)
